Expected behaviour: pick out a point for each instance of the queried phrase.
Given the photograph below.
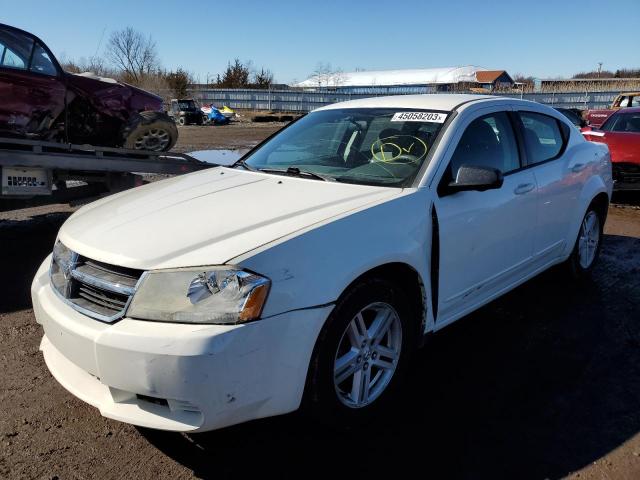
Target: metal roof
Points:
(489, 76)
(424, 76)
(443, 101)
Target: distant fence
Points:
(305, 101)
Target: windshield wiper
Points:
(296, 172)
(244, 164)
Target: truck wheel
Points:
(182, 121)
(153, 131)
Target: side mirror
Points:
(471, 177)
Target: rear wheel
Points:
(587, 247)
(154, 131)
(361, 354)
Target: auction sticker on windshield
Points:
(434, 117)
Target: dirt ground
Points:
(233, 136)
(542, 383)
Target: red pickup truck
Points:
(596, 118)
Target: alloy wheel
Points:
(154, 139)
(589, 239)
(368, 355)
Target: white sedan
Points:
(307, 272)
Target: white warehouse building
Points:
(431, 79)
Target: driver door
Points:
(486, 237)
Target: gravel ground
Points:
(542, 383)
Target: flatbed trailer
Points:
(35, 168)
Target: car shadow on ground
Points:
(24, 245)
(537, 384)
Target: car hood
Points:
(207, 217)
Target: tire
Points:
(331, 394)
(587, 247)
(182, 121)
(154, 131)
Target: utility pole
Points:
(599, 68)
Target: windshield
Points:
(186, 105)
(373, 146)
(623, 122)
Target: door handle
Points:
(523, 188)
(578, 167)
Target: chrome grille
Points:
(97, 289)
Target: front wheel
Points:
(361, 353)
(587, 247)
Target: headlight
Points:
(221, 295)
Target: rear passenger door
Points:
(558, 176)
(486, 237)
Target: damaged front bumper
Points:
(179, 377)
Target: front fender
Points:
(315, 266)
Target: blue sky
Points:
(538, 37)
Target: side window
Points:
(488, 141)
(542, 137)
(41, 62)
(15, 49)
(624, 102)
(622, 122)
(635, 101)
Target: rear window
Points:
(543, 137)
(41, 62)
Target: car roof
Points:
(429, 101)
(627, 110)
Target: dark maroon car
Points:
(39, 100)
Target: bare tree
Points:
(338, 77)
(133, 53)
(324, 75)
(93, 64)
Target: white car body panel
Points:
(207, 219)
(312, 239)
(210, 375)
